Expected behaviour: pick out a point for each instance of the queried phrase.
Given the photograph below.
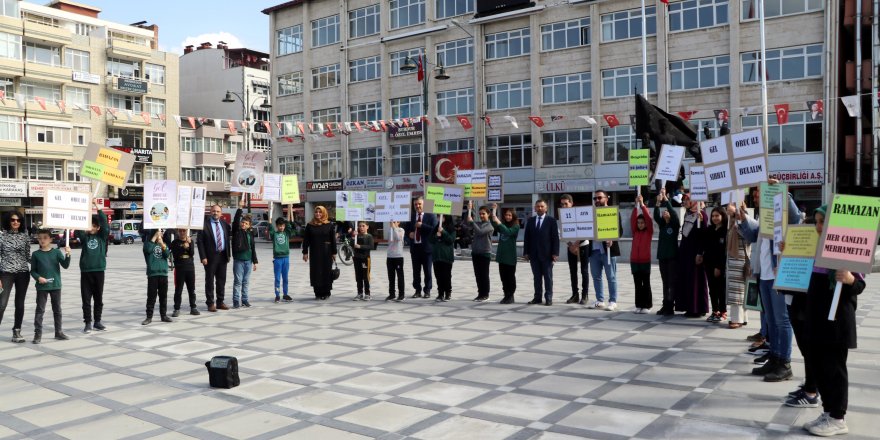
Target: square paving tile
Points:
(565, 385)
(458, 427)
(492, 375)
(645, 396)
(386, 416)
(323, 433)
(107, 428)
(377, 382)
(190, 407)
(445, 393)
(25, 397)
(318, 401)
(610, 420)
(521, 406)
(247, 424)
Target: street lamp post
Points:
(408, 66)
(246, 117)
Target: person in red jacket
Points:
(640, 259)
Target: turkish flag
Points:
(421, 73)
(465, 122)
(230, 124)
(41, 101)
(781, 113)
(537, 121)
(146, 117)
(358, 126)
(329, 133)
(687, 115)
(192, 122)
(611, 120)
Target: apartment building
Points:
(69, 78)
(222, 84)
(341, 61)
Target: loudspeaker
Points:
(223, 372)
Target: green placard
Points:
(638, 167)
(92, 170)
(340, 215)
(433, 192)
(856, 212)
(442, 207)
(639, 157)
(769, 191)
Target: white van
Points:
(124, 231)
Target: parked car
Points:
(58, 238)
(124, 231)
(261, 229)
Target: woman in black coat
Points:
(319, 240)
(715, 263)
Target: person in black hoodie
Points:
(184, 271)
(715, 263)
(244, 256)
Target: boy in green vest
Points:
(156, 255)
(92, 264)
(46, 264)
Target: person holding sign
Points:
(737, 271)
(640, 261)
(667, 249)
(280, 236)
(46, 264)
(156, 256)
(214, 251)
(541, 250)
(481, 249)
(363, 244)
(244, 256)
(603, 256)
(394, 262)
(505, 255)
(15, 254)
(92, 264)
(319, 250)
(715, 263)
(442, 240)
(184, 272)
(577, 251)
(692, 288)
(421, 227)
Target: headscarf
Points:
(326, 217)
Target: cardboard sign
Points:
(495, 188)
(160, 204)
(735, 161)
(474, 182)
(638, 167)
(697, 180)
(248, 174)
(850, 235)
(768, 192)
(197, 210)
(290, 189)
(577, 223)
(184, 205)
(736, 196)
(354, 206)
(67, 210)
(780, 220)
(393, 206)
(607, 223)
(272, 187)
(106, 165)
(190, 206)
(796, 264)
(669, 162)
(444, 199)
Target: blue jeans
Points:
(778, 324)
(598, 262)
(281, 266)
(542, 271)
(241, 271)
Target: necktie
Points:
(219, 236)
(539, 223)
(418, 232)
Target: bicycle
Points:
(345, 251)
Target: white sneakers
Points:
(641, 311)
(826, 426)
(598, 305)
(612, 306)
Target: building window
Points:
(700, 74)
(509, 151)
(623, 25)
(48, 135)
(8, 168)
(155, 73)
(123, 68)
(291, 165)
(407, 159)
(82, 135)
(155, 140)
(326, 166)
(49, 92)
(326, 115)
(42, 54)
(406, 107)
(365, 69)
(124, 102)
(508, 95)
(213, 145)
(154, 172)
(291, 119)
(370, 111)
(213, 174)
(154, 106)
(691, 14)
(42, 169)
(190, 175)
(289, 40)
(565, 88)
(73, 175)
(799, 135)
(775, 8)
(136, 176)
(84, 29)
(366, 162)
(455, 146)
(325, 76)
(565, 34)
(619, 83)
(508, 44)
(325, 31)
(456, 52)
(130, 138)
(79, 96)
(290, 83)
(455, 102)
(398, 59)
(9, 8)
(77, 60)
(7, 85)
(407, 13)
(784, 64)
(617, 143)
(568, 147)
(10, 45)
(452, 8)
(10, 128)
(363, 21)
(190, 145)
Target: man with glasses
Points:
(603, 256)
(214, 250)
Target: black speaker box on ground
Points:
(223, 372)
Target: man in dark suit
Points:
(541, 250)
(419, 229)
(214, 251)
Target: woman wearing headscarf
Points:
(737, 257)
(692, 288)
(15, 254)
(319, 250)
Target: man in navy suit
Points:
(214, 243)
(541, 249)
(419, 229)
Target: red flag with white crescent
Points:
(611, 120)
(537, 121)
(781, 113)
(465, 122)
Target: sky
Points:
(182, 22)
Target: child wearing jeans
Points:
(156, 256)
(394, 262)
(443, 239)
(46, 264)
(280, 236)
(363, 244)
(244, 257)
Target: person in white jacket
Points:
(394, 262)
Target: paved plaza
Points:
(350, 370)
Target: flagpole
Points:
(644, 68)
(763, 71)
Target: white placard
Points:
(718, 177)
(272, 187)
(160, 204)
(736, 196)
(746, 144)
(393, 206)
(750, 172)
(248, 174)
(576, 223)
(67, 210)
(697, 180)
(714, 150)
(184, 204)
(584, 214)
(669, 162)
(778, 222)
(197, 211)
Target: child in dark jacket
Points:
(244, 257)
(640, 261)
(363, 244)
(715, 262)
(184, 272)
(156, 256)
(46, 264)
(443, 239)
(92, 264)
(668, 225)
